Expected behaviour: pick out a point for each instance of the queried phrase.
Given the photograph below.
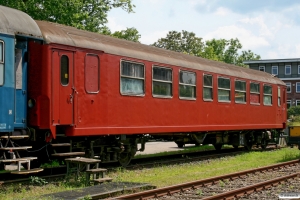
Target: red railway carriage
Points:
(105, 94)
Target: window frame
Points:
(297, 87)
(279, 96)
(212, 87)
(241, 91)
(298, 69)
(259, 96)
(297, 102)
(262, 67)
(264, 94)
(3, 62)
(68, 70)
(162, 81)
(275, 67)
(85, 76)
(131, 77)
(286, 66)
(290, 86)
(190, 85)
(225, 101)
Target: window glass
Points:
(297, 103)
(240, 91)
(279, 96)
(254, 93)
(223, 89)
(207, 87)
(288, 87)
(92, 73)
(267, 95)
(187, 84)
(132, 78)
(64, 70)
(288, 104)
(262, 68)
(1, 63)
(298, 69)
(162, 82)
(298, 87)
(275, 70)
(288, 69)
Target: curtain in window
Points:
(132, 86)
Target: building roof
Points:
(15, 22)
(288, 60)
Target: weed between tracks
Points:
(160, 175)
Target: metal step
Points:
(14, 136)
(16, 148)
(61, 145)
(27, 171)
(68, 154)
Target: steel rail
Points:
(201, 183)
(250, 189)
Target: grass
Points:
(160, 176)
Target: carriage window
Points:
(132, 78)
(207, 87)
(187, 84)
(254, 93)
(162, 82)
(92, 73)
(240, 91)
(64, 70)
(1, 63)
(223, 89)
(279, 95)
(267, 95)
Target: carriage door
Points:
(62, 87)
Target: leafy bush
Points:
(293, 111)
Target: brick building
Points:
(288, 70)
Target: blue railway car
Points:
(16, 30)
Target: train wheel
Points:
(180, 144)
(124, 159)
(218, 147)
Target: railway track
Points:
(230, 186)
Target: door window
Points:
(64, 70)
(1, 63)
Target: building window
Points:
(132, 78)
(1, 63)
(240, 91)
(91, 71)
(262, 68)
(298, 87)
(64, 70)
(297, 102)
(288, 70)
(223, 89)
(298, 69)
(187, 84)
(255, 93)
(275, 70)
(288, 87)
(267, 95)
(288, 104)
(207, 87)
(162, 82)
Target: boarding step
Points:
(101, 180)
(68, 154)
(14, 137)
(97, 170)
(15, 148)
(61, 145)
(18, 159)
(31, 171)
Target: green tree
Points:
(184, 41)
(129, 34)
(227, 51)
(88, 15)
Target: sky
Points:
(269, 28)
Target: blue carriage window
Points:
(132, 78)
(64, 70)
(1, 63)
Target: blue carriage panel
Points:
(21, 83)
(7, 86)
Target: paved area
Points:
(157, 147)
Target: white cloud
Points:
(114, 26)
(222, 11)
(246, 37)
(152, 37)
(258, 21)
